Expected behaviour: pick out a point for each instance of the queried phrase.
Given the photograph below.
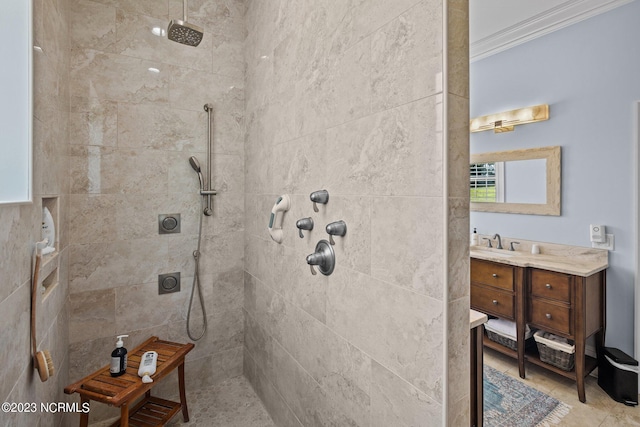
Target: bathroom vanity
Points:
(562, 291)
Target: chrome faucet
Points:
(497, 236)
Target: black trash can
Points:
(618, 376)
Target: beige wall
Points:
(367, 99)
(132, 132)
(21, 227)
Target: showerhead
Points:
(195, 164)
(183, 32)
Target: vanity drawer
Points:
(549, 316)
(492, 274)
(551, 285)
(493, 301)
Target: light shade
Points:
(505, 122)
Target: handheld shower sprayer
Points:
(196, 167)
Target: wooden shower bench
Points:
(124, 390)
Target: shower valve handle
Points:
(321, 196)
(304, 224)
(324, 257)
(337, 228)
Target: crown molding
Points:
(568, 13)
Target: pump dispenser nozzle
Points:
(119, 343)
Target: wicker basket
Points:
(561, 358)
(498, 337)
(501, 339)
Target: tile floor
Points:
(232, 403)
(599, 410)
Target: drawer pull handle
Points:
(548, 286)
(548, 315)
(494, 275)
(495, 302)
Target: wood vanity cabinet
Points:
(567, 305)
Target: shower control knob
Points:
(337, 228)
(324, 258)
(304, 224)
(321, 196)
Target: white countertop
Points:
(476, 319)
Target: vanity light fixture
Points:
(505, 122)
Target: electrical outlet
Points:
(609, 244)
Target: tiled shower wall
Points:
(366, 99)
(20, 228)
(136, 117)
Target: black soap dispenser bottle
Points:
(119, 358)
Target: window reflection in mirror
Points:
(518, 181)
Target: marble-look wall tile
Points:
(97, 74)
(458, 47)
(108, 265)
(339, 367)
(273, 401)
(458, 145)
(158, 127)
(376, 147)
(92, 217)
(224, 92)
(359, 308)
(301, 163)
(155, 8)
(225, 331)
(205, 372)
(107, 170)
(407, 40)
(223, 252)
(14, 331)
(394, 402)
(141, 307)
(55, 41)
(15, 247)
(93, 25)
(295, 282)
(311, 404)
(411, 260)
(458, 249)
(369, 16)
(458, 352)
(93, 121)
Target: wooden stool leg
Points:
(124, 415)
(183, 394)
(84, 417)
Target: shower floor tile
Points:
(232, 403)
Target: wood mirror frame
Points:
(553, 157)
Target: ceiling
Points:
(497, 25)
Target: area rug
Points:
(508, 402)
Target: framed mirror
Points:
(518, 181)
(16, 101)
